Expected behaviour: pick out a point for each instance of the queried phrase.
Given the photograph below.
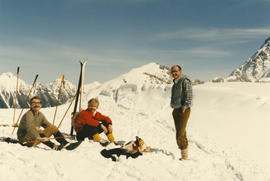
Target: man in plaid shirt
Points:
(181, 100)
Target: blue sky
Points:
(207, 38)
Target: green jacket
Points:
(30, 124)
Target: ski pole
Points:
(66, 111)
(59, 93)
(8, 125)
(15, 101)
(15, 125)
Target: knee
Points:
(49, 131)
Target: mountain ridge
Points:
(256, 68)
(48, 93)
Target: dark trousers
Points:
(180, 122)
(88, 131)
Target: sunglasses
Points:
(174, 71)
(38, 102)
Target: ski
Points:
(78, 94)
(9, 140)
(73, 146)
(82, 87)
(70, 146)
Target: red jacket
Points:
(87, 117)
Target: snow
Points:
(227, 131)
(8, 82)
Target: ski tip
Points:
(83, 62)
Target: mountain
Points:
(136, 87)
(48, 92)
(256, 68)
(221, 147)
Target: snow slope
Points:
(227, 133)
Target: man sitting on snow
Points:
(91, 123)
(29, 132)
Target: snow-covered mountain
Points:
(48, 93)
(256, 68)
(138, 104)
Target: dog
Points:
(136, 146)
(131, 149)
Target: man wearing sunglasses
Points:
(181, 100)
(29, 132)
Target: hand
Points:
(110, 128)
(104, 128)
(44, 139)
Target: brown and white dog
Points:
(131, 149)
(136, 146)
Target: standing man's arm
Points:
(187, 94)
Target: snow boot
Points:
(110, 137)
(96, 137)
(184, 154)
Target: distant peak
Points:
(256, 67)
(267, 40)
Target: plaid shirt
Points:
(181, 93)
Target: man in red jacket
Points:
(91, 123)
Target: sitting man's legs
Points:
(108, 134)
(89, 132)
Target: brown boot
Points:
(184, 154)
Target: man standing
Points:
(181, 99)
(29, 132)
